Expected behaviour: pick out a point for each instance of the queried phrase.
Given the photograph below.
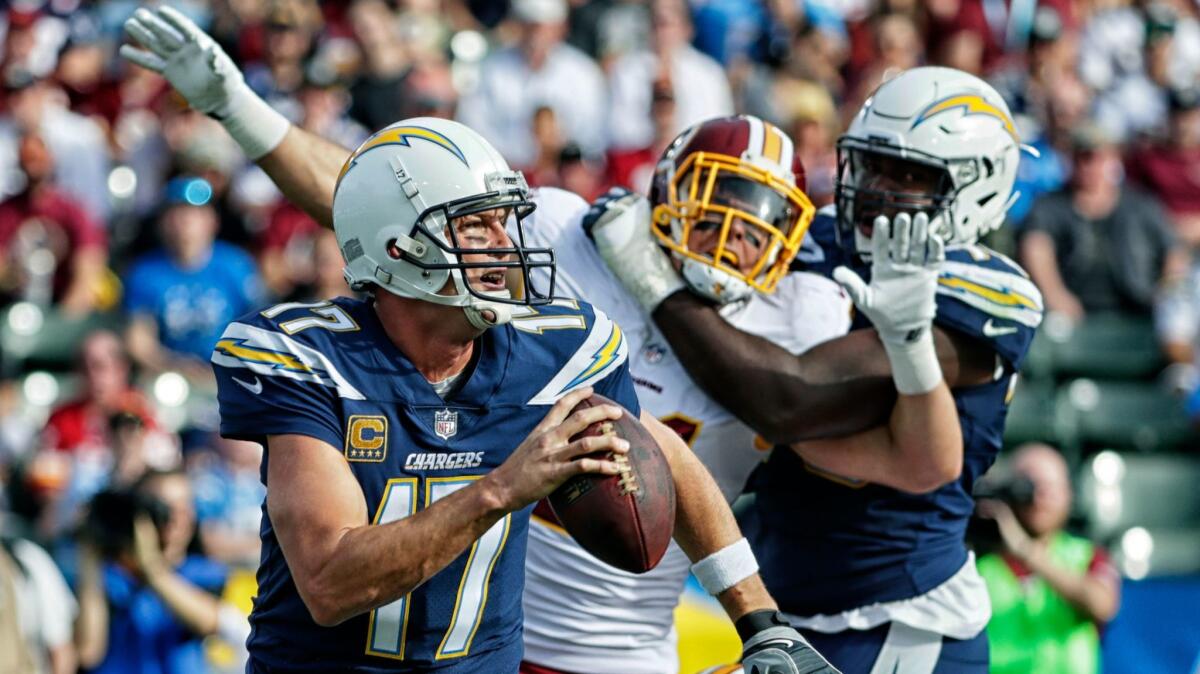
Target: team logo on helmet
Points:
(973, 104)
(401, 135)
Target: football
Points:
(624, 520)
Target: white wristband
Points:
(257, 127)
(915, 367)
(726, 567)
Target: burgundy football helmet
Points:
(729, 202)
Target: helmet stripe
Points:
(772, 143)
(757, 133)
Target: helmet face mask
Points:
(875, 180)
(732, 217)
(431, 225)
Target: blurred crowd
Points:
(126, 213)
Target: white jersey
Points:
(582, 615)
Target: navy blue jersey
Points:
(827, 544)
(328, 370)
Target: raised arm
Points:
(303, 165)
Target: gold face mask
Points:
(734, 216)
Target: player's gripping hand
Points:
(619, 224)
(548, 456)
(771, 646)
(900, 301)
(203, 73)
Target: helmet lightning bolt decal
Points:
(401, 135)
(973, 104)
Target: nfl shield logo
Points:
(445, 424)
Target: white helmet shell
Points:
(397, 193)
(944, 118)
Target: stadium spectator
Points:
(541, 70)
(810, 116)
(378, 94)
(291, 30)
(51, 249)
(37, 610)
(77, 144)
(1170, 169)
(180, 297)
(1131, 57)
(145, 603)
(1099, 244)
(1051, 591)
(698, 85)
(323, 106)
(119, 463)
(229, 499)
(105, 389)
(1048, 167)
(634, 167)
(80, 442)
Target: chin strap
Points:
(478, 313)
(712, 283)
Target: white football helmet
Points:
(394, 201)
(935, 119)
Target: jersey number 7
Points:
(388, 624)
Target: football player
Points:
(413, 406)
(878, 577)
(727, 198)
(756, 201)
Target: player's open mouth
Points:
(493, 279)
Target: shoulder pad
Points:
(584, 356)
(986, 295)
(557, 216)
(276, 342)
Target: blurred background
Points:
(132, 230)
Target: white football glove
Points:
(619, 224)
(900, 301)
(205, 75)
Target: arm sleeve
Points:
(269, 385)
(988, 297)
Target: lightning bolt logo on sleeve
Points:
(601, 353)
(273, 354)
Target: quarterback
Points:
(886, 583)
(426, 406)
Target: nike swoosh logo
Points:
(990, 329)
(255, 388)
